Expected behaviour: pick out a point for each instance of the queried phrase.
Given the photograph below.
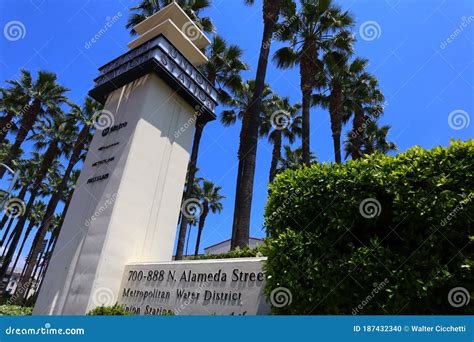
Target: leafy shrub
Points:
(15, 310)
(115, 310)
(406, 259)
(236, 253)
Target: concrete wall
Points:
(132, 215)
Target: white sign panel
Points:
(201, 287)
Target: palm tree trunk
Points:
(34, 277)
(7, 245)
(307, 74)
(54, 238)
(189, 188)
(356, 135)
(249, 134)
(48, 158)
(276, 155)
(27, 123)
(202, 220)
(4, 221)
(44, 266)
(78, 146)
(16, 236)
(6, 232)
(21, 196)
(336, 121)
(235, 222)
(28, 258)
(6, 124)
(305, 127)
(336, 137)
(187, 241)
(22, 245)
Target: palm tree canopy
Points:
(374, 139)
(241, 100)
(224, 66)
(315, 25)
(45, 90)
(37, 212)
(87, 114)
(280, 108)
(55, 129)
(210, 195)
(292, 159)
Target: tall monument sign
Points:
(126, 204)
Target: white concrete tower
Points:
(126, 204)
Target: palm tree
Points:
(56, 225)
(211, 202)
(44, 95)
(52, 134)
(373, 140)
(281, 121)
(147, 8)
(222, 70)
(224, 66)
(292, 159)
(28, 169)
(250, 128)
(13, 102)
(241, 100)
(340, 95)
(34, 219)
(365, 99)
(45, 254)
(79, 143)
(318, 26)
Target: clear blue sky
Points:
(423, 76)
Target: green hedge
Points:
(114, 310)
(117, 310)
(15, 310)
(236, 253)
(404, 260)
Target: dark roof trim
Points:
(152, 58)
